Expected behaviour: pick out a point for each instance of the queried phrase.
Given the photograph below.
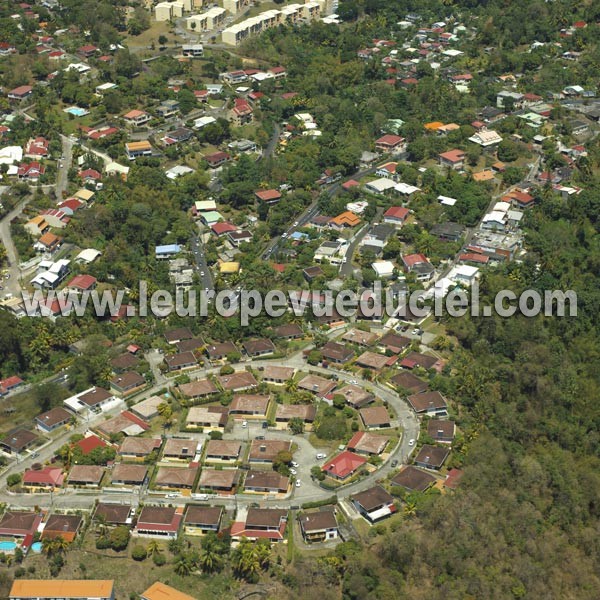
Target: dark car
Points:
(394, 463)
(265, 425)
(260, 437)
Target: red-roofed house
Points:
(136, 117)
(268, 196)
(82, 283)
(37, 147)
(343, 466)
(31, 171)
(396, 215)
(242, 112)
(347, 185)
(453, 159)
(223, 228)
(10, 383)
(20, 93)
(86, 445)
(87, 51)
(216, 159)
(70, 205)
(90, 175)
(48, 477)
(278, 72)
(390, 143)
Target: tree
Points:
(119, 538)
(153, 548)
(162, 40)
(139, 553)
(296, 425)
(13, 479)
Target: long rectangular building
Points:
(62, 589)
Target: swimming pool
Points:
(77, 111)
(36, 547)
(7, 546)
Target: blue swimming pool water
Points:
(36, 547)
(5, 546)
(75, 110)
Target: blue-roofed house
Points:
(167, 251)
(298, 236)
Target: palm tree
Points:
(263, 553)
(183, 566)
(60, 544)
(245, 560)
(210, 560)
(101, 526)
(153, 548)
(410, 509)
(291, 386)
(48, 546)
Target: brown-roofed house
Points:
(374, 504)
(237, 382)
(250, 405)
(414, 479)
(355, 396)
(147, 409)
(19, 523)
(176, 477)
(136, 448)
(113, 514)
(158, 521)
(198, 389)
(336, 353)
(265, 451)
(409, 382)
(180, 449)
(363, 442)
(268, 482)
(416, 359)
(86, 475)
(191, 345)
(124, 362)
(372, 360)
(260, 347)
(261, 523)
(375, 417)
(362, 338)
(278, 375)
(441, 431)
(428, 403)
(17, 440)
(177, 335)
(124, 474)
(199, 520)
(317, 385)
(220, 350)
(127, 383)
(394, 343)
(219, 480)
(286, 412)
(219, 450)
(292, 331)
(207, 417)
(431, 457)
(320, 526)
(64, 526)
(182, 360)
(96, 397)
(53, 419)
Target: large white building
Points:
(206, 21)
(290, 14)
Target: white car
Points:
(321, 456)
(411, 442)
(293, 472)
(244, 424)
(298, 483)
(294, 464)
(415, 331)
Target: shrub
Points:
(159, 559)
(139, 553)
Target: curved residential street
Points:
(305, 455)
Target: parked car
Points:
(411, 442)
(244, 424)
(394, 463)
(298, 484)
(321, 456)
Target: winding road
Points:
(309, 490)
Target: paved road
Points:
(308, 491)
(62, 180)
(200, 263)
(11, 285)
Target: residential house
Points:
(201, 388)
(53, 419)
(127, 383)
(409, 383)
(222, 450)
(137, 448)
(268, 482)
(441, 431)
(62, 589)
(278, 375)
(133, 475)
(220, 481)
(261, 523)
(391, 143)
(431, 457)
(320, 526)
(158, 522)
(17, 440)
(178, 449)
(286, 412)
(85, 475)
(181, 360)
(374, 504)
(259, 347)
(113, 514)
(396, 215)
(336, 353)
(199, 520)
(253, 406)
(429, 403)
(413, 479)
(45, 479)
(266, 451)
(453, 159)
(363, 442)
(343, 466)
(136, 149)
(237, 382)
(207, 417)
(241, 113)
(375, 417)
(176, 477)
